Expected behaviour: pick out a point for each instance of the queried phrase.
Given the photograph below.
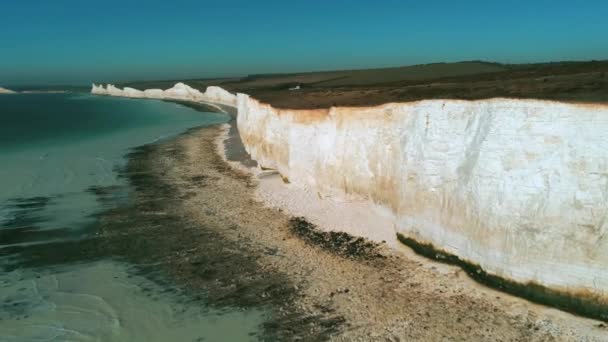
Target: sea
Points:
(55, 148)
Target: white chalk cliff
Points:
(519, 187)
(6, 91)
(180, 91)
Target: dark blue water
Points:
(53, 149)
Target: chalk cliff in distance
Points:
(179, 91)
(6, 91)
(519, 187)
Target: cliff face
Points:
(519, 187)
(180, 91)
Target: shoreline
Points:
(78, 217)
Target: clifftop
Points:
(561, 81)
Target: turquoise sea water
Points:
(53, 148)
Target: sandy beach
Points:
(318, 285)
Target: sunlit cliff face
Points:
(517, 186)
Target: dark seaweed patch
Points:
(31, 203)
(201, 180)
(105, 191)
(24, 211)
(340, 243)
(21, 224)
(582, 304)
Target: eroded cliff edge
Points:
(518, 187)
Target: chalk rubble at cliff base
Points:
(518, 187)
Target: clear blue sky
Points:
(78, 41)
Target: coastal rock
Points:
(113, 91)
(219, 95)
(98, 90)
(518, 187)
(182, 91)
